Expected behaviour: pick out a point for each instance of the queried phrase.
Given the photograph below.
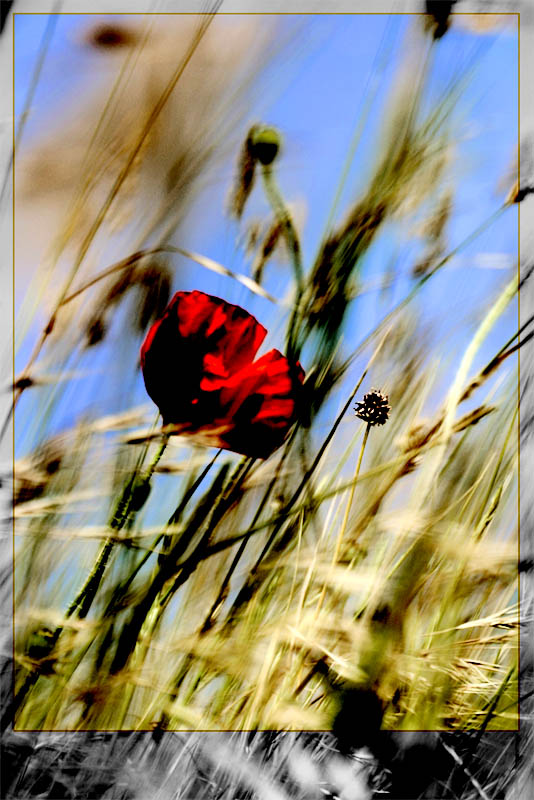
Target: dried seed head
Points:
(154, 284)
(271, 239)
(436, 20)
(32, 475)
(434, 226)
(51, 454)
(269, 243)
(90, 695)
(429, 260)
(252, 236)
(240, 192)
(95, 331)
(419, 434)
(264, 143)
(158, 729)
(374, 409)
(111, 36)
(23, 382)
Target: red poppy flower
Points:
(199, 369)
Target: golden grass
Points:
(226, 594)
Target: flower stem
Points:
(284, 218)
(132, 498)
(121, 590)
(219, 499)
(293, 245)
(208, 622)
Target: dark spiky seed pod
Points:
(264, 144)
(374, 409)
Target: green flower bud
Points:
(264, 144)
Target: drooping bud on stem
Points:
(264, 143)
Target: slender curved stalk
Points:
(208, 622)
(293, 246)
(346, 516)
(133, 493)
(131, 500)
(216, 504)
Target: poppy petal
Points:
(226, 331)
(261, 401)
(198, 367)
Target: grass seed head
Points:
(111, 36)
(153, 287)
(244, 182)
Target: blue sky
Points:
(315, 94)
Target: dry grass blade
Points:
(204, 261)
